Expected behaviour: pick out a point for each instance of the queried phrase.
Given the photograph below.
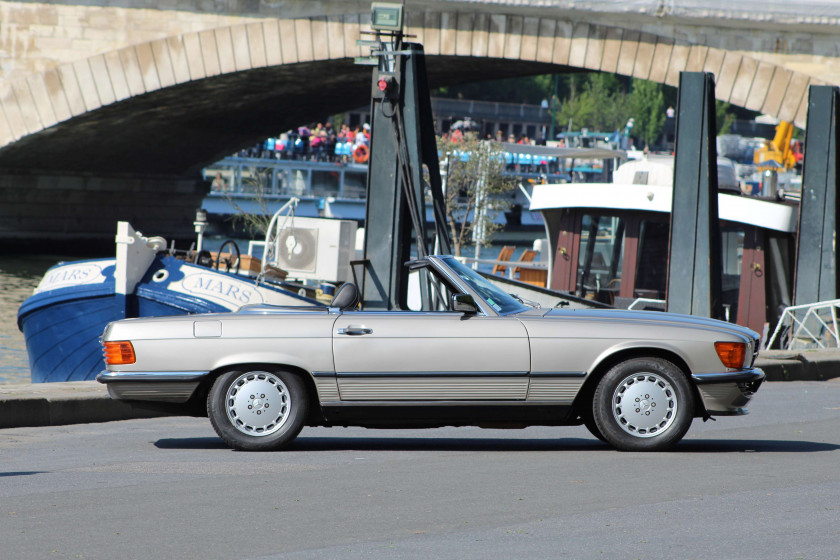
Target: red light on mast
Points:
(387, 84)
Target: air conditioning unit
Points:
(317, 249)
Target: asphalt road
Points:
(764, 486)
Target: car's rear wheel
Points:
(257, 410)
(643, 404)
(589, 422)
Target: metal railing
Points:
(278, 178)
(813, 325)
(235, 176)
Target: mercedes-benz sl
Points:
(467, 354)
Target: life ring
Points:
(361, 154)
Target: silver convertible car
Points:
(467, 354)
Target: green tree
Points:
(528, 89)
(723, 117)
(600, 105)
(578, 110)
(647, 108)
(475, 188)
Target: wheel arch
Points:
(315, 415)
(583, 400)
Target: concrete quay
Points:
(80, 402)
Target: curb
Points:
(810, 365)
(57, 404)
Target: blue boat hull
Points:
(62, 323)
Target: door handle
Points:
(355, 331)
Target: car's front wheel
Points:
(643, 404)
(257, 410)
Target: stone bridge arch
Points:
(122, 135)
(113, 112)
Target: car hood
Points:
(656, 317)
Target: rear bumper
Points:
(173, 387)
(726, 394)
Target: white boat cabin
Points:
(609, 241)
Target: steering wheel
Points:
(229, 263)
(204, 258)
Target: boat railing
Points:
(281, 178)
(282, 219)
(811, 325)
(238, 177)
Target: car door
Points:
(430, 356)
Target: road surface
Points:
(762, 486)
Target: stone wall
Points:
(36, 37)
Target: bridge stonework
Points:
(69, 67)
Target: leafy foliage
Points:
(475, 188)
(529, 89)
(724, 118)
(601, 105)
(647, 107)
(258, 184)
(597, 101)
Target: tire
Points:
(257, 410)
(661, 405)
(589, 422)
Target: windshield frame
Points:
(492, 297)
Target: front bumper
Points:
(726, 394)
(157, 386)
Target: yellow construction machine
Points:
(777, 154)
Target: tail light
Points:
(118, 352)
(732, 354)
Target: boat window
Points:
(732, 243)
(324, 183)
(354, 184)
(652, 265)
(600, 257)
(640, 178)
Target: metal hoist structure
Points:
(403, 164)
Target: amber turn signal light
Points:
(731, 353)
(118, 352)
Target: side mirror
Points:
(464, 303)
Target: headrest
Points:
(346, 297)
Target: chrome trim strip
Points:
(133, 376)
(412, 374)
(745, 376)
(558, 374)
(556, 389)
(518, 402)
(323, 374)
(327, 388)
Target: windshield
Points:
(500, 301)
